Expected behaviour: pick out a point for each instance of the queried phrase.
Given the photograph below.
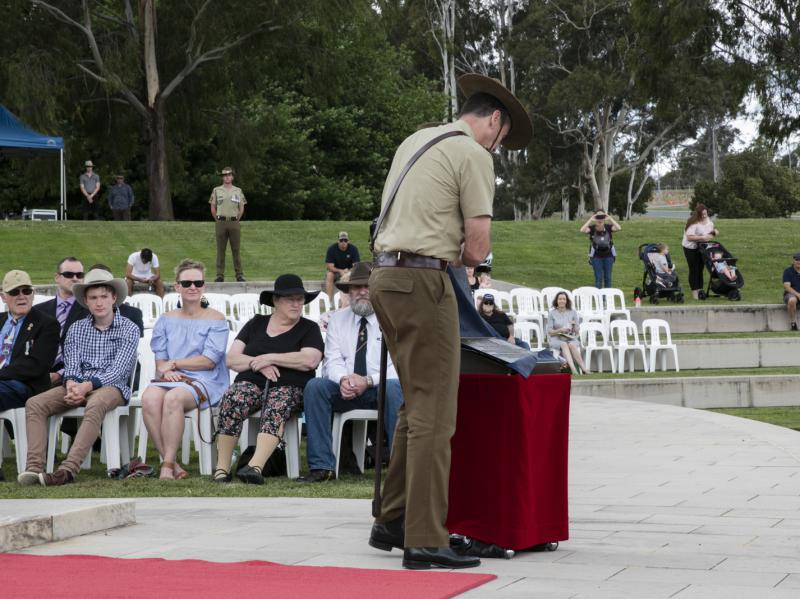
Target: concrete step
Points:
(712, 318)
(699, 391)
(27, 522)
(752, 352)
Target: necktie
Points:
(8, 344)
(61, 316)
(360, 366)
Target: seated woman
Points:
(275, 357)
(500, 321)
(562, 330)
(189, 346)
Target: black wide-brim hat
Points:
(287, 284)
(521, 127)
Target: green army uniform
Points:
(228, 201)
(416, 308)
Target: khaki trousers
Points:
(39, 407)
(417, 311)
(228, 230)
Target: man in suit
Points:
(28, 344)
(66, 310)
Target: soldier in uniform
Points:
(441, 214)
(227, 207)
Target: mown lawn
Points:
(788, 416)
(536, 254)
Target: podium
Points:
(508, 475)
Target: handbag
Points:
(375, 226)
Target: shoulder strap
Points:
(396, 186)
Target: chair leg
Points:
(206, 466)
(53, 424)
(336, 438)
(290, 437)
(360, 442)
(675, 355)
(143, 437)
(110, 440)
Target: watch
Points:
(370, 382)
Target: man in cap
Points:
(227, 207)
(90, 187)
(791, 289)
(441, 214)
(120, 198)
(99, 357)
(339, 259)
(352, 373)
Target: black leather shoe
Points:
(240, 278)
(219, 279)
(318, 476)
(250, 475)
(424, 558)
(388, 535)
(221, 476)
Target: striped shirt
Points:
(106, 358)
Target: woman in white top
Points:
(698, 228)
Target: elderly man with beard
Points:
(351, 369)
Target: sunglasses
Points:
(187, 284)
(17, 291)
(72, 275)
(344, 239)
(489, 303)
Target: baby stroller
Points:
(655, 284)
(724, 277)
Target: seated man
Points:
(339, 259)
(28, 344)
(143, 270)
(791, 289)
(352, 371)
(99, 356)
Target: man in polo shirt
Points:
(120, 198)
(339, 259)
(791, 289)
(227, 208)
(99, 357)
(90, 187)
(441, 214)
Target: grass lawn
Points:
(535, 254)
(782, 416)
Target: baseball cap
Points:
(15, 279)
(344, 235)
(488, 298)
(796, 256)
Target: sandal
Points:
(167, 471)
(221, 476)
(178, 472)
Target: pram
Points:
(655, 284)
(714, 254)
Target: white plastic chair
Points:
(502, 299)
(528, 304)
(614, 303)
(589, 304)
(318, 305)
(38, 298)
(549, 294)
(291, 437)
(360, 419)
(151, 306)
(595, 341)
(245, 306)
(652, 331)
(170, 301)
(16, 417)
(531, 332)
(221, 302)
(625, 341)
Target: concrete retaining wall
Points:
(766, 352)
(734, 318)
(699, 392)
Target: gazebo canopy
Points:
(16, 134)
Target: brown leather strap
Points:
(407, 260)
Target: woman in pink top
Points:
(698, 228)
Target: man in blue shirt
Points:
(339, 259)
(791, 289)
(99, 357)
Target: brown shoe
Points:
(317, 476)
(57, 478)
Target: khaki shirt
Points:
(452, 181)
(228, 200)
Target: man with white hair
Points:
(99, 357)
(352, 374)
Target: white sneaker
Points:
(28, 478)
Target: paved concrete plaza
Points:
(664, 502)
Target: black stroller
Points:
(724, 277)
(655, 284)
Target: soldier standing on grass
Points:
(227, 207)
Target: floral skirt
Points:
(243, 399)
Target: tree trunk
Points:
(564, 204)
(157, 171)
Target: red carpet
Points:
(89, 576)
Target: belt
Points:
(226, 218)
(408, 260)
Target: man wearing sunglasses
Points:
(28, 343)
(339, 259)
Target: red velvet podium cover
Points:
(508, 477)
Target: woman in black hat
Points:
(275, 356)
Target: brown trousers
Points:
(417, 311)
(39, 407)
(228, 230)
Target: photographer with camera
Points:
(602, 253)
